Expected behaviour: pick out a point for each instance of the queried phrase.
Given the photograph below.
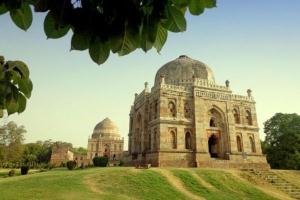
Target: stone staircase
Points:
(277, 182)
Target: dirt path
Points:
(174, 181)
(90, 183)
(202, 182)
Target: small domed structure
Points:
(106, 141)
(106, 129)
(184, 68)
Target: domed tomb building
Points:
(188, 120)
(106, 141)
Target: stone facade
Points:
(106, 141)
(61, 155)
(187, 120)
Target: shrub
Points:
(11, 172)
(71, 164)
(121, 163)
(24, 169)
(100, 161)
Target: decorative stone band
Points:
(222, 96)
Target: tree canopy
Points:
(104, 26)
(282, 143)
(15, 86)
(11, 139)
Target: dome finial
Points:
(249, 92)
(183, 56)
(146, 87)
(227, 83)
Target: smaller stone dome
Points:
(106, 129)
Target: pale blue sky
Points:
(254, 44)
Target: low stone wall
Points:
(178, 159)
(233, 164)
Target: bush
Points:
(71, 164)
(121, 163)
(11, 172)
(100, 161)
(24, 169)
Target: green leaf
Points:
(12, 101)
(176, 21)
(181, 3)
(21, 103)
(99, 51)
(80, 41)
(13, 4)
(161, 38)
(22, 17)
(3, 9)
(1, 113)
(149, 31)
(25, 86)
(41, 6)
(20, 67)
(2, 60)
(53, 29)
(130, 41)
(210, 3)
(197, 7)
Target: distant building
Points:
(61, 155)
(188, 120)
(106, 141)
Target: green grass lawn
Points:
(226, 187)
(125, 183)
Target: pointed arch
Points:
(173, 141)
(188, 140)
(236, 116)
(216, 117)
(239, 143)
(249, 117)
(172, 109)
(252, 144)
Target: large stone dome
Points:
(184, 68)
(106, 129)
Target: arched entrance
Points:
(213, 146)
(217, 137)
(106, 152)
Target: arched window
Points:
(149, 141)
(239, 143)
(252, 144)
(188, 140)
(248, 117)
(156, 109)
(173, 140)
(212, 122)
(236, 116)
(172, 109)
(187, 112)
(154, 139)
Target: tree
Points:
(80, 150)
(104, 26)
(15, 86)
(282, 142)
(11, 142)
